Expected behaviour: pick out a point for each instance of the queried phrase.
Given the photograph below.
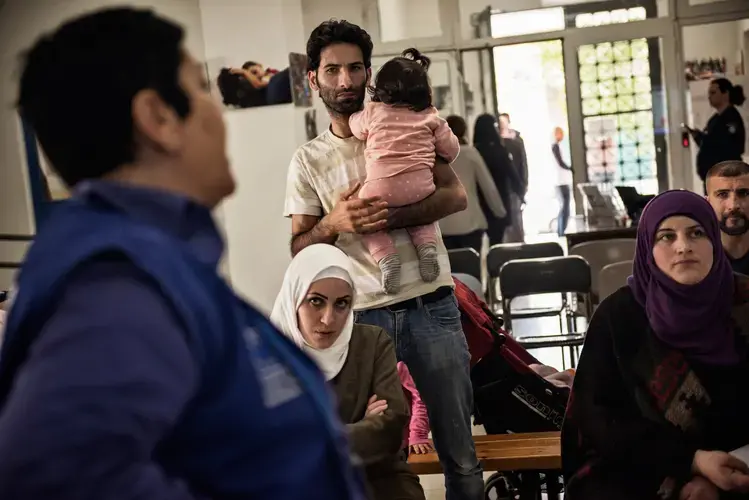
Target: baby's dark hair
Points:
(403, 81)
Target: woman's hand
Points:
(699, 488)
(723, 470)
(420, 449)
(375, 406)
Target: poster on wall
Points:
(248, 84)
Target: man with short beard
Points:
(727, 185)
(422, 318)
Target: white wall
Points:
(261, 142)
(404, 19)
(714, 41)
(316, 11)
(259, 30)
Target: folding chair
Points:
(613, 277)
(600, 254)
(504, 252)
(465, 261)
(562, 275)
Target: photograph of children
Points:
(250, 84)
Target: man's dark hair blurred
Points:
(459, 127)
(78, 84)
(333, 32)
(730, 168)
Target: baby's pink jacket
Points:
(400, 140)
(418, 428)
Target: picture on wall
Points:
(248, 84)
(299, 82)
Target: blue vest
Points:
(262, 425)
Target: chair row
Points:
(598, 254)
(521, 270)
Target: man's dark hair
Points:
(250, 64)
(333, 32)
(459, 127)
(403, 81)
(78, 83)
(730, 168)
(735, 92)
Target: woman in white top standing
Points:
(466, 229)
(564, 182)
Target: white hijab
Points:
(312, 264)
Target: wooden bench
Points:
(531, 453)
(504, 453)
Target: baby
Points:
(404, 134)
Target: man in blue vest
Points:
(129, 369)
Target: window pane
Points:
(620, 137)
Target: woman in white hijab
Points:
(315, 309)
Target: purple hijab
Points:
(694, 319)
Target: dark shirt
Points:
(616, 442)
(740, 265)
(558, 157)
(722, 140)
(111, 330)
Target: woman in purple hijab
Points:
(660, 394)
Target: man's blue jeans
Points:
(429, 339)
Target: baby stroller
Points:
(509, 396)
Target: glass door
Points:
(531, 95)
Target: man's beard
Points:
(345, 107)
(737, 229)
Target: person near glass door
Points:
(515, 145)
(466, 229)
(487, 141)
(724, 137)
(564, 182)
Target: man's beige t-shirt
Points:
(320, 172)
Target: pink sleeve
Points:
(446, 144)
(418, 427)
(359, 123)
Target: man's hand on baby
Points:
(375, 406)
(357, 215)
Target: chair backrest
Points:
(465, 261)
(570, 274)
(504, 252)
(601, 253)
(471, 282)
(612, 277)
